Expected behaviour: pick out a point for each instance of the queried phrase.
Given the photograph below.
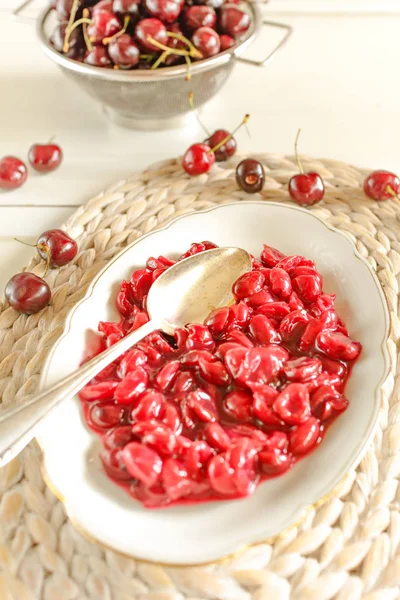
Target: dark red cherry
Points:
(13, 173)
(151, 28)
(198, 159)
(126, 7)
(45, 157)
(57, 246)
(199, 16)
(226, 150)
(250, 175)
(124, 52)
(306, 188)
(75, 41)
(381, 185)
(233, 21)
(97, 57)
(206, 41)
(103, 5)
(104, 25)
(27, 293)
(226, 41)
(165, 10)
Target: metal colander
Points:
(156, 99)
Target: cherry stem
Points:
(166, 48)
(88, 43)
(189, 68)
(146, 57)
(297, 154)
(46, 270)
(107, 40)
(25, 243)
(160, 59)
(82, 21)
(192, 49)
(390, 190)
(51, 140)
(228, 137)
(192, 108)
(72, 15)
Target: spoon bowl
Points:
(189, 290)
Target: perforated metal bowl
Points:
(145, 99)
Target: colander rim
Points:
(147, 75)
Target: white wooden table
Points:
(336, 79)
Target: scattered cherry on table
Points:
(305, 188)
(250, 175)
(45, 157)
(13, 173)
(381, 185)
(27, 293)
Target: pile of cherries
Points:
(42, 157)
(210, 412)
(28, 293)
(146, 34)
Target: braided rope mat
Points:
(348, 548)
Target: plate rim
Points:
(337, 484)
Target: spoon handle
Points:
(17, 426)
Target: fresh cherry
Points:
(250, 175)
(64, 7)
(381, 185)
(75, 44)
(27, 293)
(13, 173)
(126, 7)
(198, 159)
(56, 247)
(305, 188)
(226, 41)
(206, 40)
(233, 21)
(151, 28)
(165, 10)
(124, 52)
(104, 25)
(104, 6)
(45, 157)
(199, 16)
(225, 151)
(98, 57)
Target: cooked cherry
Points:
(250, 175)
(124, 52)
(198, 159)
(233, 21)
(151, 28)
(225, 151)
(381, 185)
(45, 157)
(56, 247)
(211, 411)
(165, 10)
(199, 16)
(206, 40)
(27, 293)
(13, 173)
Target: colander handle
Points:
(19, 15)
(261, 63)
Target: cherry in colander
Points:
(212, 411)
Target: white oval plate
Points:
(206, 532)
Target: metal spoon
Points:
(185, 293)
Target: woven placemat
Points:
(346, 549)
